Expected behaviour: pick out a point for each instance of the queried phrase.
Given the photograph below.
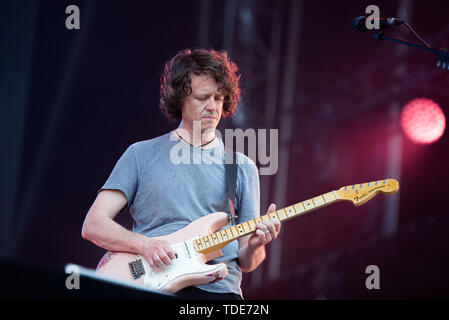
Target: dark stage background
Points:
(73, 100)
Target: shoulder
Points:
(150, 144)
(244, 159)
(246, 164)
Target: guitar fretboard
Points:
(219, 239)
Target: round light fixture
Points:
(423, 121)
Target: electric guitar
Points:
(201, 241)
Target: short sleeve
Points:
(124, 176)
(248, 191)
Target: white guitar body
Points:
(189, 268)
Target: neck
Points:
(195, 136)
(219, 239)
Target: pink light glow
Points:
(423, 121)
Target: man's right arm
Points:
(100, 228)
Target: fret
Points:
(229, 233)
(299, 208)
(224, 234)
(274, 216)
(246, 227)
(206, 242)
(308, 204)
(220, 239)
(265, 217)
(240, 230)
(290, 212)
(234, 231)
(252, 224)
(211, 241)
(258, 220)
(214, 237)
(203, 244)
(318, 201)
(329, 197)
(281, 214)
(196, 245)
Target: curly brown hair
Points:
(176, 80)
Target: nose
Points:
(211, 104)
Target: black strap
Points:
(231, 168)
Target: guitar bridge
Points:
(137, 269)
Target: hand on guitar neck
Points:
(266, 231)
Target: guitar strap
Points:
(231, 168)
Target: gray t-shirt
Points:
(169, 184)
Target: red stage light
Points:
(423, 121)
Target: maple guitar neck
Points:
(358, 194)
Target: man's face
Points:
(204, 104)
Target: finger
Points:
(277, 225)
(172, 255)
(268, 237)
(272, 230)
(169, 252)
(268, 226)
(165, 259)
(157, 261)
(271, 208)
(260, 233)
(151, 263)
(260, 236)
(263, 230)
(264, 227)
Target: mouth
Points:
(209, 117)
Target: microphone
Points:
(359, 23)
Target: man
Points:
(198, 87)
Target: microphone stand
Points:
(443, 55)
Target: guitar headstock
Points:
(361, 193)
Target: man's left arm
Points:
(252, 247)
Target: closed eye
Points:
(204, 98)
